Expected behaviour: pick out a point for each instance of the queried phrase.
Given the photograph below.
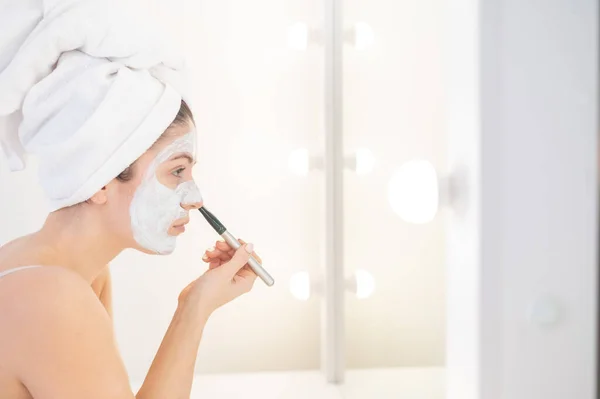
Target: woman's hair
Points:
(184, 117)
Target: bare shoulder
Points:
(52, 283)
(44, 297)
(11, 251)
(58, 338)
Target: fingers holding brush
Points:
(225, 249)
(254, 255)
(246, 271)
(222, 252)
(254, 261)
(217, 253)
(211, 258)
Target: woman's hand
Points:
(222, 253)
(228, 277)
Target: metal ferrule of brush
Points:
(252, 262)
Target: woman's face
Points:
(162, 192)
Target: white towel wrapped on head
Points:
(86, 87)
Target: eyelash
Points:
(177, 172)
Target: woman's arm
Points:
(172, 372)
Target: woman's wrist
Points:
(193, 309)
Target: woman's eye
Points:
(178, 172)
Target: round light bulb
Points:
(365, 161)
(300, 286)
(365, 284)
(413, 192)
(299, 162)
(297, 36)
(364, 36)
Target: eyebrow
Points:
(184, 156)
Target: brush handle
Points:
(252, 262)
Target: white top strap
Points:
(16, 269)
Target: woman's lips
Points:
(179, 226)
(179, 229)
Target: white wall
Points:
(524, 129)
(463, 228)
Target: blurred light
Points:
(299, 162)
(297, 36)
(364, 37)
(413, 192)
(300, 286)
(365, 284)
(365, 161)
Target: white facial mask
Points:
(155, 207)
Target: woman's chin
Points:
(157, 244)
(164, 251)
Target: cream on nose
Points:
(195, 205)
(190, 195)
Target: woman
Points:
(116, 143)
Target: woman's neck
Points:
(75, 239)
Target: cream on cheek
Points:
(155, 207)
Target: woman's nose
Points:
(191, 198)
(192, 205)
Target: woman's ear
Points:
(100, 198)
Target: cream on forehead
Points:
(184, 144)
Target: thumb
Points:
(239, 259)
